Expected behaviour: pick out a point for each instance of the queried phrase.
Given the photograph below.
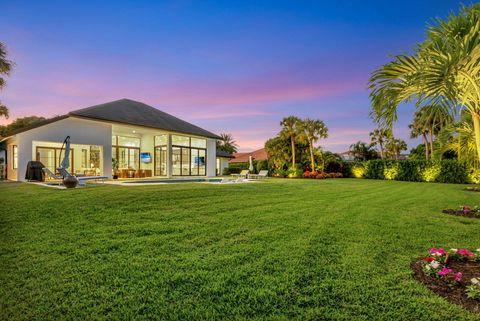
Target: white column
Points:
(169, 156)
(211, 157)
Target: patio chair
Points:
(261, 174)
(243, 174)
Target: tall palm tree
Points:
(227, 143)
(5, 68)
(291, 129)
(313, 130)
(379, 137)
(444, 71)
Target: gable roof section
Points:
(33, 126)
(260, 154)
(132, 112)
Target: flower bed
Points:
(464, 210)
(321, 175)
(454, 275)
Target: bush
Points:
(295, 172)
(334, 166)
(280, 173)
(261, 165)
(445, 171)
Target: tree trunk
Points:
(312, 159)
(431, 142)
(476, 128)
(293, 151)
(425, 142)
(381, 151)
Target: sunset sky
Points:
(227, 66)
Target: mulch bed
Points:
(455, 294)
(472, 213)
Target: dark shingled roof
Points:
(221, 153)
(136, 113)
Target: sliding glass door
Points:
(51, 157)
(160, 160)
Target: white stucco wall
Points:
(223, 163)
(85, 132)
(211, 157)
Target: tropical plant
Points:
(5, 69)
(291, 130)
(460, 139)
(394, 147)
(443, 71)
(362, 151)
(227, 143)
(313, 130)
(379, 137)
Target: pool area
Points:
(175, 181)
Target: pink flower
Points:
(439, 251)
(465, 253)
(458, 276)
(444, 271)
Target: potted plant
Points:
(115, 168)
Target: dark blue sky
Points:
(228, 66)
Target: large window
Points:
(51, 157)
(126, 150)
(189, 156)
(15, 156)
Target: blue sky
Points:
(228, 66)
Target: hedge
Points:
(236, 168)
(444, 171)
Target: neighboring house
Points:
(347, 156)
(260, 154)
(143, 141)
(222, 160)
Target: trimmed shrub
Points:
(444, 171)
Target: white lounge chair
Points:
(261, 174)
(243, 174)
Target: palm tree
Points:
(416, 130)
(291, 129)
(362, 151)
(5, 68)
(379, 137)
(395, 146)
(460, 139)
(227, 143)
(444, 71)
(313, 130)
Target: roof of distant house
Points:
(260, 154)
(130, 112)
(221, 153)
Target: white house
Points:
(125, 138)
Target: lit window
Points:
(128, 141)
(15, 156)
(198, 142)
(178, 140)
(160, 140)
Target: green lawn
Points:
(283, 249)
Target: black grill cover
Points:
(34, 171)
